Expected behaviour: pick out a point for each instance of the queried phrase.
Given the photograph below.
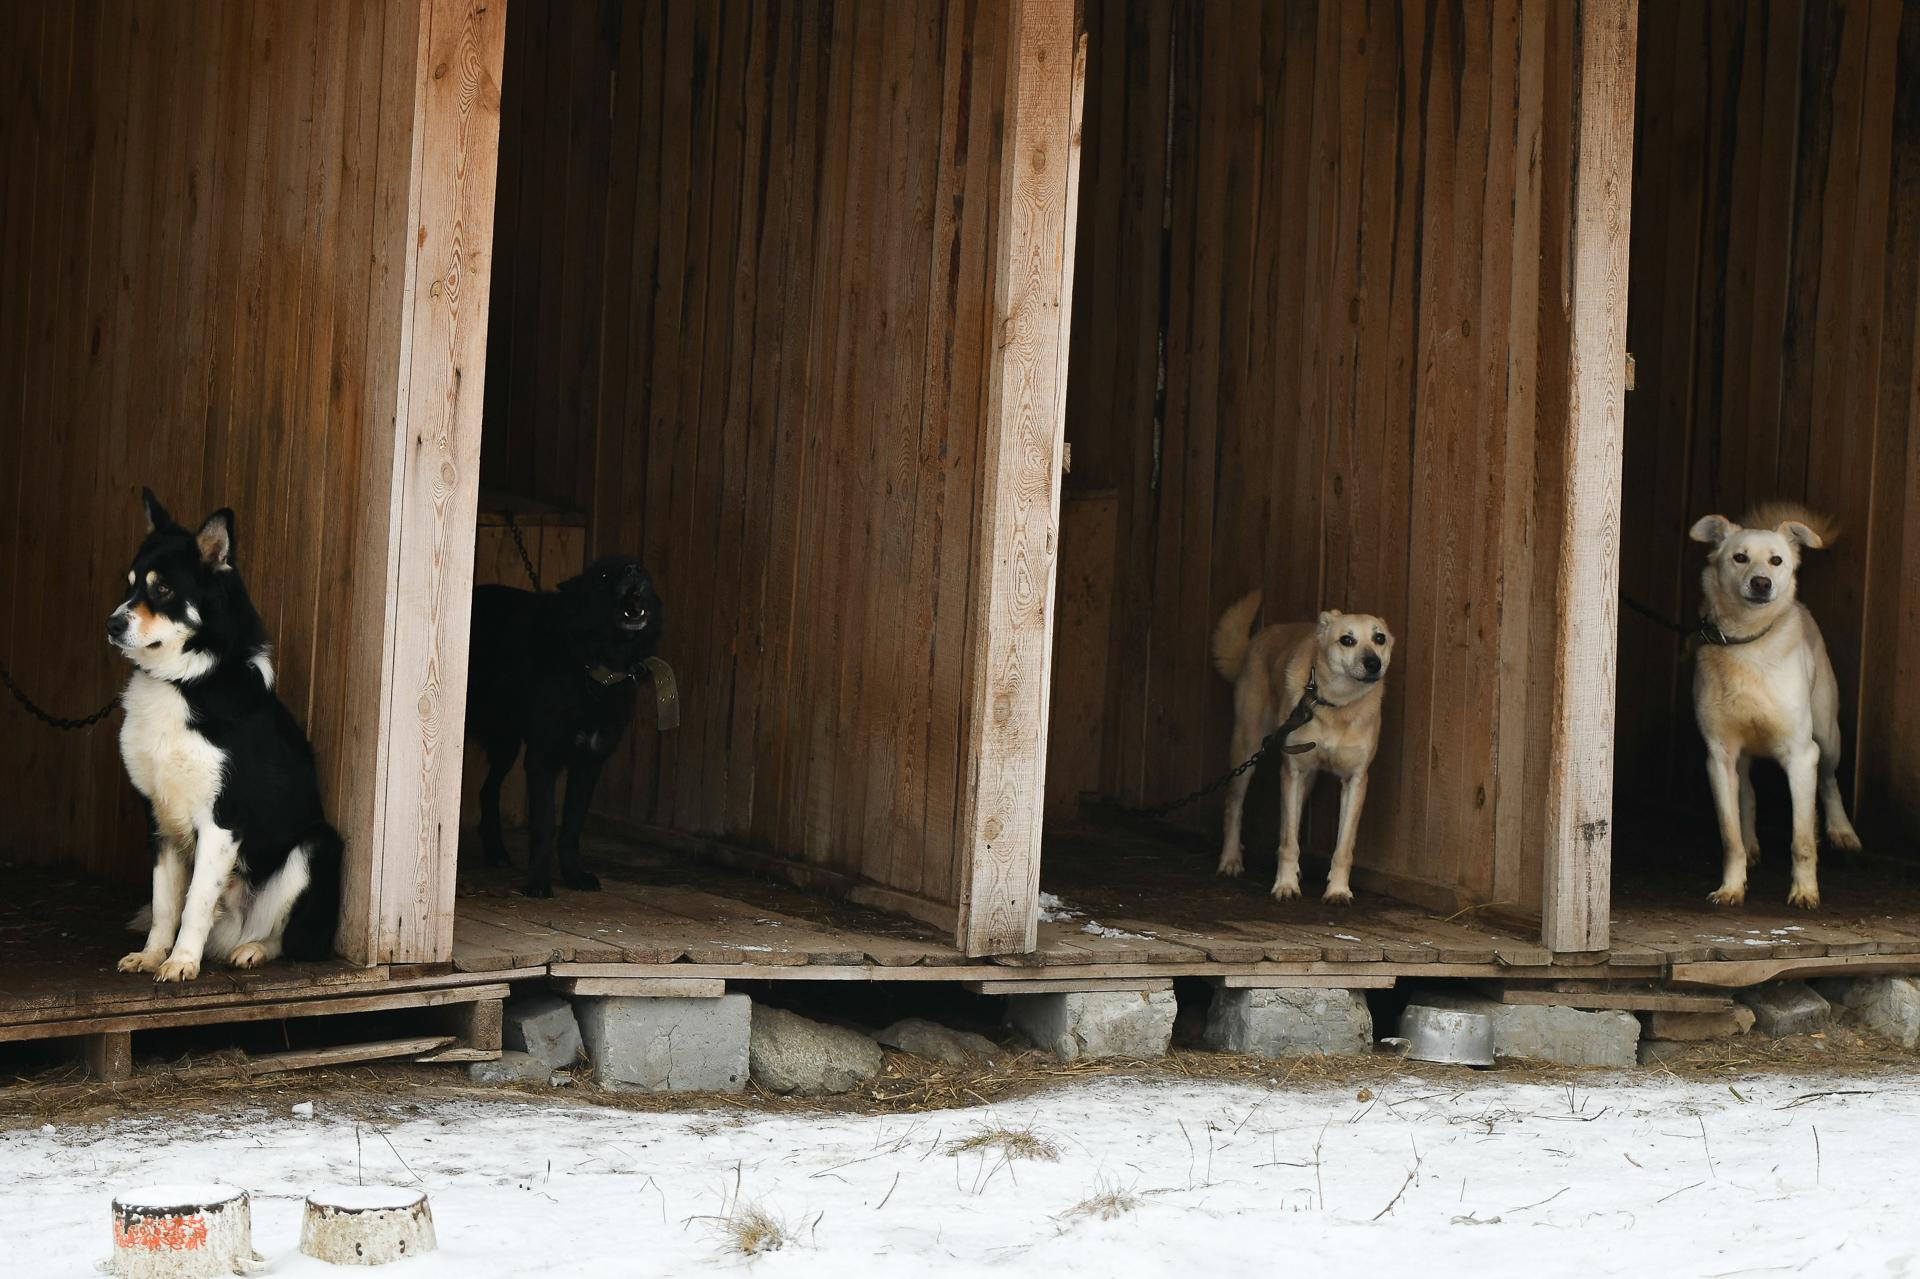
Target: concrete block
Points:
(544, 1027)
(1785, 1008)
(1888, 1005)
(1694, 1027)
(1091, 1024)
(961, 1049)
(1552, 1032)
(512, 1068)
(791, 1054)
(668, 1045)
(1290, 1022)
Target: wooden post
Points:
(1579, 829)
(440, 112)
(1011, 612)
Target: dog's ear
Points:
(1328, 618)
(157, 517)
(1712, 529)
(1795, 531)
(215, 540)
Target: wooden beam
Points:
(399, 893)
(1579, 817)
(1024, 427)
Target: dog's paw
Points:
(580, 881)
(1231, 865)
(1846, 841)
(1727, 896)
(142, 961)
(178, 970)
(536, 888)
(1806, 898)
(248, 955)
(1337, 896)
(1286, 890)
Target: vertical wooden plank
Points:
(1012, 604)
(1579, 844)
(435, 446)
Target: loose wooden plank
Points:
(425, 1047)
(1068, 985)
(642, 987)
(1012, 603)
(250, 1012)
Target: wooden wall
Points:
(1776, 266)
(202, 206)
(742, 318)
(1347, 223)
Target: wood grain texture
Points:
(435, 478)
(1002, 805)
(1579, 813)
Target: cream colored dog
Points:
(1763, 685)
(1338, 665)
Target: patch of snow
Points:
(366, 1198)
(1346, 937)
(1613, 1175)
(1055, 911)
(1093, 928)
(184, 1194)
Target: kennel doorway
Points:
(1775, 289)
(1330, 341)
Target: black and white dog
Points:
(557, 671)
(245, 866)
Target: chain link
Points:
(55, 721)
(520, 544)
(1276, 740)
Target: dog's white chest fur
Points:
(177, 769)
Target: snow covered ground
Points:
(1631, 1175)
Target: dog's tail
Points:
(1232, 636)
(316, 912)
(142, 919)
(1771, 515)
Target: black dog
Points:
(557, 671)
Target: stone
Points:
(792, 1054)
(961, 1049)
(1660, 1052)
(1290, 1022)
(1785, 1008)
(1092, 1024)
(513, 1067)
(1887, 1005)
(544, 1027)
(1553, 1032)
(648, 1044)
(1695, 1027)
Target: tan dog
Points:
(1763, 685)
(1339, 664)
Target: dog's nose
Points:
(1372, 662)
(116, 625)
(1763, 585)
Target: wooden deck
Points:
(1136, 910)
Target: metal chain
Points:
(520, 544)
(1276, 740)
(55, 721)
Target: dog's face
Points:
(1356, 645)
(1752, 566)
(171, 588)
(614, 608)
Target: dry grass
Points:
(906, 1085)
(751, 1230)
(1009, 1143)
(1107, 1203)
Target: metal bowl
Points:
(1449, 1035)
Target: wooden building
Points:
(953, 364)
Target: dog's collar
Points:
(1712, 634)
(607, 677)
(1312, 695)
